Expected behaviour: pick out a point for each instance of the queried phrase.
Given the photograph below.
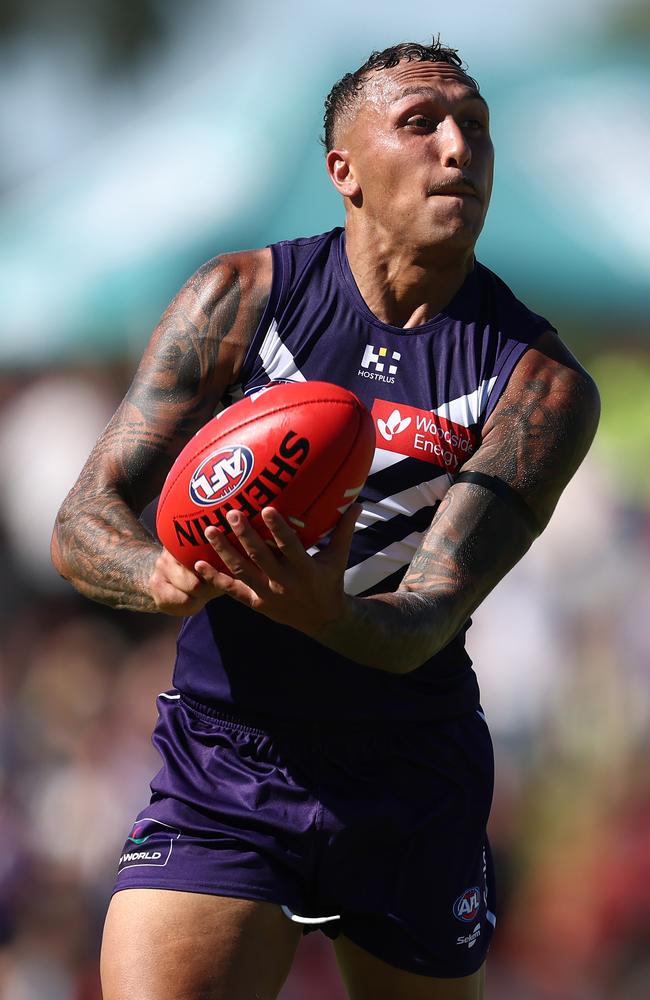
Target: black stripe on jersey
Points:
(399, 477)
(369, 541)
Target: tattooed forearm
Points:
(113, 554)
(470, 545)
(193, 356)
(537, 436)
(434, 566)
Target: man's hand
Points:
(177, 590)
(281, 580)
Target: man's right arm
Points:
(195, 353)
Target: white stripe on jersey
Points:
(466, 410)
(277, 359)
(376, 568)
(407, 502)
(383, 459)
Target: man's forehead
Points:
(428, 79)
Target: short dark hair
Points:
(343, 94)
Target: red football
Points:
(304, 448)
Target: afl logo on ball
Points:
(220, 474)
(467, 906)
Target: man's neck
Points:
(402, 285)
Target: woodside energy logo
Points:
(422, 434)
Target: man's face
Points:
(420, 151)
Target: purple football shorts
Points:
(375, 831)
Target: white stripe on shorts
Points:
(307, 920)
(165, 694)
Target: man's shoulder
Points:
(226, 297)
(251, 269)
(246, 269)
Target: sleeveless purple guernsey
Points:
(430, 390)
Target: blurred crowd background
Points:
(141, 137)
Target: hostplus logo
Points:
(374, 362)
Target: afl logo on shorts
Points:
(467, 906)
(220, 474)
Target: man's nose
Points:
(455, 149)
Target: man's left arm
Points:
(532, 444)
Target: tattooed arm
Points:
(194, 354)
(534, 441)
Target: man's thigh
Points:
(368, 978)
(160, 944)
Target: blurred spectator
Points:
(46, 433)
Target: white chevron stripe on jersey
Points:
(466, 410)
(407, 502)
(277, 359)
(376, 568)
(383, 459)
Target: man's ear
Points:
(342, 173)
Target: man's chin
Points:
(456, 237)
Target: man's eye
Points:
(472, 123)
(421, 121)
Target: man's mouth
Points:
(460, 190)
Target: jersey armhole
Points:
(508, 365)
(277, 296)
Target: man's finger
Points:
(209, 576)
(341, 539)
(240, 566)
(254, 546)
(283, 534)
(221, 583)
